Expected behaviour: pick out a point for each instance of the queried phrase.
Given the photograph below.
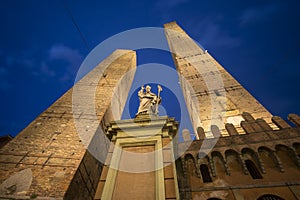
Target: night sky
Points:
(43, 43)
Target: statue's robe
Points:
(147, 102)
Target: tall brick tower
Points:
(212, 95)
(79, 149)
(49, 158)
(242, 151)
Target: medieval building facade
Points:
(238, 151)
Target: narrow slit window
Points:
(253, 169)
(205, 174)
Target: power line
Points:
(76, 25)
(83, 38)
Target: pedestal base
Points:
(140, 163)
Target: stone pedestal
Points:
(140, 163)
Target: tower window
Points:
(253, 169)
(205, 174)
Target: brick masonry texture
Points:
(231, 129)
(237, 150)
(50, 145)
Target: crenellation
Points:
(280, 123)
(186, 135)
(263, 124)
(215, 131)
(240, 150)
(247, 126)
(256, 126)
(294, 118)
(248, 117)
(201, 133)
(254, 148)
(231, 129)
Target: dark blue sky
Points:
(41, 49)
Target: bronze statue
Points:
(149, 101)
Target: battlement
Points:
(272, 152)
(256, 134)
(249, 125)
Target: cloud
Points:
(43, 64)
(252, 15)
(62, 52)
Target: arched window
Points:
(253, 170)
(205, 174)
(270, 197)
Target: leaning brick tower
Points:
(212, 95)
(241, 151)
(74, 148)
(49, 158)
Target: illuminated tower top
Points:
(212, 95)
